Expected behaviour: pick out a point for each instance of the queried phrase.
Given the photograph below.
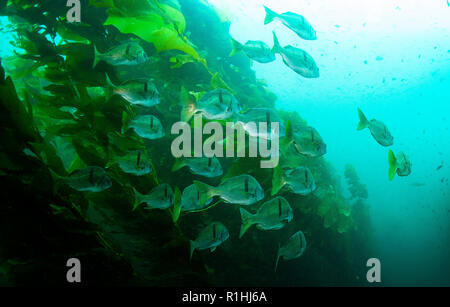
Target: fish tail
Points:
(108, 81)
(138, 197)
(246, 218)
(278, 257)
(188, 107)
(392, 164)
(177, 205)
(276, 45)
(277, 180)
(97, 57)
(179, 163)
(289, 134)
(363, 122)
(192, 246)
(236, 47)
(125, 121)
(206, 191)
(270, 15)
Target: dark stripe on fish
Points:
(306, 176)
(279, 207)
(209, 162)
(312, 135)
(138, 158)
(151, 122)
(246, 185)
(127, 52)
(198, 195)
(145, 87)
(165, 192)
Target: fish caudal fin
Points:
(138, 197)
(179, 163)
(176, 205)
(188, 106)
(278, 258)
(392, 164)
(270, 15)
(363, 122)
(97, 57)
(236, 47)
(246, 218)
(108, 81)
(276, 45)
(277, 180)
(289, 133)
(192, 245)
(206, 191)
(125, 121)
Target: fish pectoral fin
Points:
(213, 248)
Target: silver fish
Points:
(210, 237)
(137, 92)
(91, 178)
(147, 126)
(208, 167)
(308, 142)
(273, 214)
(399, 164)
(293, 21)
(136, 162)
(241, 190)
(190, 199)
(299, 180)
(129, 53)
(214, 105)
(293, 248)
(255, 50)
(296, 59)
(250, 120)
(378, 129)
(160, 197)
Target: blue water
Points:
(391, 59)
